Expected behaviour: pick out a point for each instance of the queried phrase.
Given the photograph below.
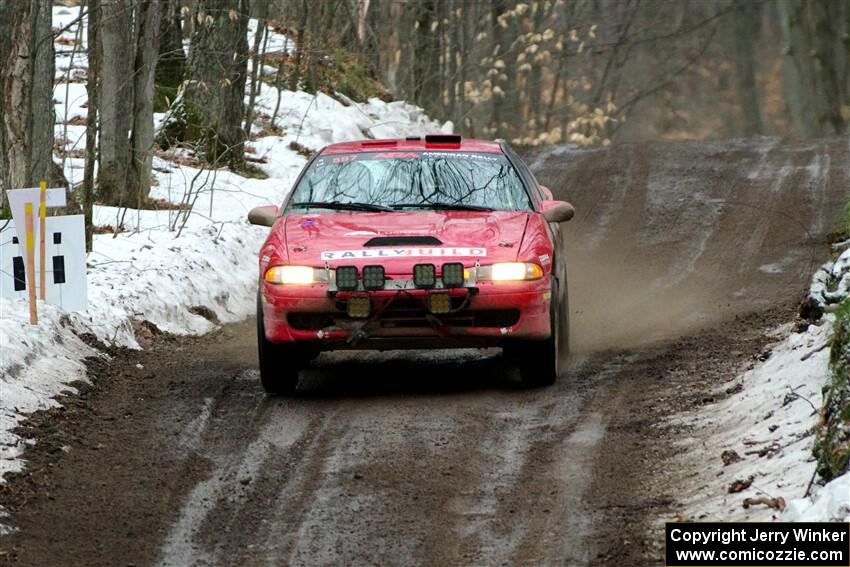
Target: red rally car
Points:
(434, 242)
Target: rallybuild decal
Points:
(402, 253)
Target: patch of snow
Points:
(764, 150)
(275, 42)
(775, 268)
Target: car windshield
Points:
(389, 181)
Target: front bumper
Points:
(486, 315)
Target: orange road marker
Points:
(42, 213)
(30, 247)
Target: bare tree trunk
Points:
(746, 34)
(171, 64)
(17, 89)
(813, 91)
(619, 55)
(116, 98)
(825, 36)
(452, 54)
(278, 83)
(142, 140)
(467, 21)
(42, 115)
(393, 44)
(796, 74)
(26, 86)
(315, 27)
(426, 85)
(441, 42)
(534, 86)
(299, 45)
(92, 90)
(6, 12)
(218, 65)
(257, 70)
(501, 40)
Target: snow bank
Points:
(764, 434)
(829, 503)
(831, 283)
(161, 266)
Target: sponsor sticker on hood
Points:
(403, 253)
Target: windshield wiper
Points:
(442, 206)
(338, 206)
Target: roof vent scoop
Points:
(452, 140)
(403, 241)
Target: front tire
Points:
(279, 364)
(539, 360)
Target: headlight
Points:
(295, 275)
(510, 271)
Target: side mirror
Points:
(547, 193)
(557, 211)
(263, 216)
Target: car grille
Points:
(409, 313)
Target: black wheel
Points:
(540, 360)
(563, 327)
(279, 364)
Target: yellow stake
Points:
(31, 262)
(42, 212)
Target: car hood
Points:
(399, 240)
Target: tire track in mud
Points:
(410, 514)
(437, 458)
(209, 500)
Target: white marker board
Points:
(65, 252)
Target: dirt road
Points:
(681, 256)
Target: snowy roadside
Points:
(149, 273)
(752, 451)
